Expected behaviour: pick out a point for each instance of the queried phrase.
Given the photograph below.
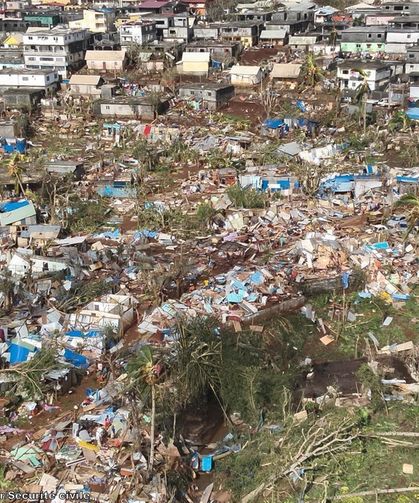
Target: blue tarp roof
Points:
(118, 192)
(273, 123)
(407, 179)
(76, 359)
(79, 333)
(18, 354)
(413, 113)
(13, 205)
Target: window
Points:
(345, 72)
(358, 46)
(107, 107)
(378, 35)
(411, 56)
(369, 46)
(30, 38)
(47, 79)
(25, 78)
(369, 35)
(408, 35)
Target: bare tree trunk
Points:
(153, 418)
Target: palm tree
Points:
(362, 92)
(15, 171)
(144, 373)
(311, 72)
(198, 360)
(409, 202)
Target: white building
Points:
(61, 49)
(116, 311)
(242, 75)
(377, 74)
(137, 33)
(20, 264)
(29, 79)
(97, 21)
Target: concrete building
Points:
(47, 80)
(137, 33)
(218, 50)
(96, 21)
(179, 27)
(274, 36)
(130, 107)
(378, 74)
(106, 60)
(402, 32)
(194, 63)
(60, 49)
(208, 95)
(363, 39)
(247, 33)
(412, 59)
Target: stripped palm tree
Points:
(410, 203)
(144, 373)
(311, 72)
(15, 171)
(362, 92)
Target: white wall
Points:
(34, 80)
(414, 91)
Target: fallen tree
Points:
(321, 439)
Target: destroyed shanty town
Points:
(209, 215)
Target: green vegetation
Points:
(353, 336)
(246, 197)
(85, 216)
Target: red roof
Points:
(154, 4)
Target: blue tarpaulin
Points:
(79, 333)
(345, 280)
(76, 359)
(117, 192)
(413, 113)
(206, 463)
(407, 179)
(273, 123)
(301, 106)
(18, 146)
(116, 234)
(145, 233)
(13, 205)
(18, 354)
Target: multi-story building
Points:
(364, 39)
(137, 33)
(402, 32)
(60, 49)
(377, 74)
(247, 33)
(95, 20)
(180, 28)
(412, 59)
